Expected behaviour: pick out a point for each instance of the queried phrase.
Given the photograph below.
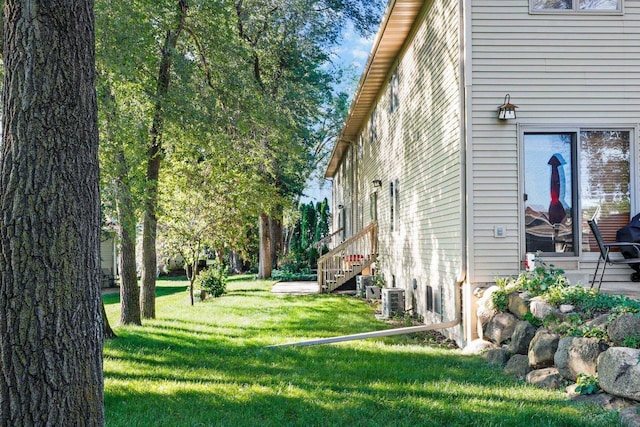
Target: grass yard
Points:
(206, 365)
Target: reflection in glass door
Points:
(550, 194)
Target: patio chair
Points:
(605, 249)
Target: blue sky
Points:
(352, 54)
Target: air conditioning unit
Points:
(392, 302)
(372, 292)
(362, 281)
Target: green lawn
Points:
(206, 365)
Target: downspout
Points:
(462, 276)
(388, 332)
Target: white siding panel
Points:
(566, 69)
(419, 146)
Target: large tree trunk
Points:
(50, 300)
(275, 230)
(129, 291)
(106, 327)
(150, 223)
(264, 262)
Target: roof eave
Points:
(394, 30)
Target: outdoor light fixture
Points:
(340, 207)
(507, 110)
(377, 183)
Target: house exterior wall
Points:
(566, 70)
(417, 150)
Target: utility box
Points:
(372, 292)
(392, 302)
(362, 281)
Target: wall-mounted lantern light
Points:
(507, 110)
(377, 183)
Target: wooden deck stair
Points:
(348, 259)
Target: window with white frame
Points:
(394, 202)
(575, 5)
(394, 99)
(373, 126)
(573, 176)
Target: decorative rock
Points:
(627, 325)
(477, 347)
(619, 372)
(599, 322)
(566, 308)
(496, 356)
(545, 378)
(630, 417)
(517, 306)
(603, 400)
(518, 366)
(500, 328)
(486, 310)
(521, 338)
(542, 309)
(578, 355)
(542, 348)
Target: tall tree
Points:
(288, 45)
(50, 312)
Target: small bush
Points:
(288, 276)
(587, 384)
(213, 280)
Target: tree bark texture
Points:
(264, 261)
(276, 232)
(129, 291)
(150, 222)
(50, 301)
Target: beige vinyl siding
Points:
(566, 69)
(419, 146)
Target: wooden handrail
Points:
(320, 243)
(348, 258)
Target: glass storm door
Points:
(550, 193)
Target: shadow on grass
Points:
(114, 298)
(206, 365)
(217, 382)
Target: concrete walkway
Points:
(295, 288)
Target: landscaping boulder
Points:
(518, 366)
(578, 355)
(630, 417)
(545, 378)
(522, 336)
(598, 322)
(543, 348)
(517, 305)
(566, 308)
(619, 372)
(478, 346)
(603, 400)
(496, 356)
(542, 309)
(500, 328)
(625, 326)
(486, 309)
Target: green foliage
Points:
(631, 342)
(213, 280)
(500, 298)
(379, 281)
(311, 227)
(587, 384)
(541, 279)
(529, 317)
(290, 276)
